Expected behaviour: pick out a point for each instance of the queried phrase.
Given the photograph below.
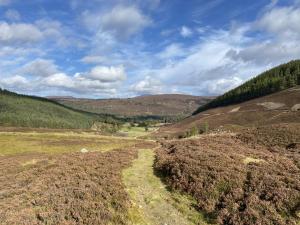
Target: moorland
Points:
(232, 161)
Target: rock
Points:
(271, 105)
(235, 110)
(296, 108)
(84, 150)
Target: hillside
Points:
(28, 111)
(280, 107)
(238, 156)
(274, 80)
(172, 105)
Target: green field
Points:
(59, 142)
(135, 131)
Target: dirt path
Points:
(153, 204)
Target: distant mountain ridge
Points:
(151, 105)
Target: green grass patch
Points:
(21, 142)
(135, 131)
(152, 202)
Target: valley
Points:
(225, 163)
(172, 106)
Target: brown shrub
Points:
(234, 183)
(280, 135)
(64, 189)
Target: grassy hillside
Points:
(279, 78)
(28, 111)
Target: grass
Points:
(152, 202)
(129, 131)
(59, 142)
(248, 160)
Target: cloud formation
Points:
(40, 67)
(147, 86)
(124, 21)
(108, 74)
(123, 48)
(19, 33)
(186, 32)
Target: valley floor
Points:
(82, 178)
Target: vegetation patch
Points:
(248, 160)
(60, 142)
(280, 135)
(152, 203)
(70, 188)
(230, 191)
(28, 111)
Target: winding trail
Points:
(152, 203)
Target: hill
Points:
(276, 108)
(170, 105)
(244, 167)
(274, 80)
(29, 111)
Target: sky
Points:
(126, 48)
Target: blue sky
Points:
(125, 48)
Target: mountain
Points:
(29, 111)
(274, 80)
(169, 105)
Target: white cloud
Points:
(15, 80)
(93, 59)
(172, 51)
(124, 21)
(215, 87)
(147, 86)
(19, 32)
(282, 21)
(13, 15)
(186, 32)
(78, 84)
(282, 41)
(40, 67)
(54, 30)
(59, 80)
(207, 67)
(108, 74)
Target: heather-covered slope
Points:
(173, 105)
(280, 107)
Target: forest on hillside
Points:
(30, 111)
(279, 78)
